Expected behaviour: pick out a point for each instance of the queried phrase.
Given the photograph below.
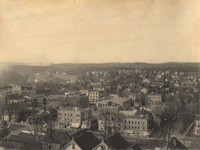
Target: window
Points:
(143, 128)
(132, 127)
(124, 121)
(138, 122)
(73, 146)
(65, 114)
(132, 122)
(129, 127)
(129, 122)
(138, 127)
(71, 114)
(135, 127)
(135, 122)
(125, 126)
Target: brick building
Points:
(94, 96)
(72, 116)
(137, 125)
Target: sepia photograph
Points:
(99, 74)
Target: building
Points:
(123, 102)
(72, 117)
(115, 122)
(97, 83)
(12, 100)
(175, 144)
(94, 96)
(197, 124)
(132, 96)
(31, 100)
(86, 92)
(158, 83)
(91, 123)
(113, 96)
(86, 141)
(127, 89)
(137, 125)
(114, 142)
(153, 98)
(128, 113)
(77, 100)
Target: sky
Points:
(94, 31)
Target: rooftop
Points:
(116, 141)
(87, 141)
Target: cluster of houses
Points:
(125, 108)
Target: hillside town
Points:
(105, 109)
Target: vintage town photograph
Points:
(99, 74)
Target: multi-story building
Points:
(153, 98)
(123, 102)
(115, 122)
(137, 125)
(72, 116)
(15, 100)
(94, 96)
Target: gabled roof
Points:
(116, 141)
(136, 147)
(59, 137)
(176, 144)
(87, 141)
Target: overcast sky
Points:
(96, 31)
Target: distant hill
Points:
(139, 65)
(10, 72)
